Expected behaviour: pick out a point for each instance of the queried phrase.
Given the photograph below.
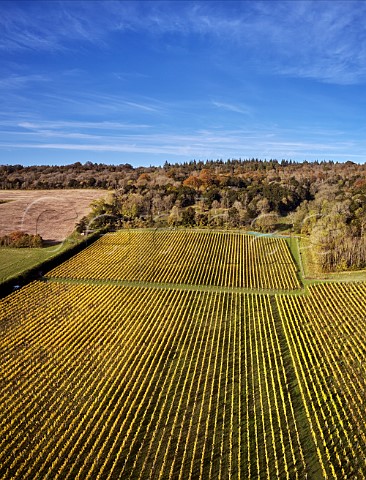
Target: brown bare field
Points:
(50, 213)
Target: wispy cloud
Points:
(54, 125)
(231, 107)
(147, 108)
(15, 81)
(33, 92)
(102, 102)
(43, 26)
(322, 40)
(202, 144)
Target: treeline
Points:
(20, 239)
(76, 175)
(98, 175)
(324, 201)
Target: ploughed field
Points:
(117, 367)
(50, 213)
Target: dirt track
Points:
(51, 213)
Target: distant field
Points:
(50, 213)
(14, 261)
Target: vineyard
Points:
(105, 380)
(326, 334)
(186, 257)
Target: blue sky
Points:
(145, 82)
